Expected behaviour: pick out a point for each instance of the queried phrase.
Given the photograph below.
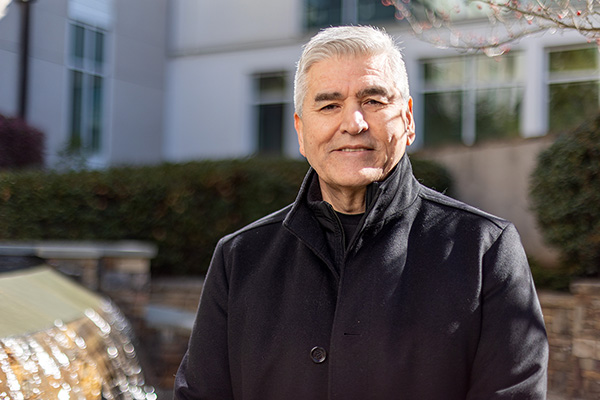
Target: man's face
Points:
(355, 126)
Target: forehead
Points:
(349, 73)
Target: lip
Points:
(353, 149)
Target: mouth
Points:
(354, 149)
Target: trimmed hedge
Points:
(565, 194)
(183, 208)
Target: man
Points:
(370, 285)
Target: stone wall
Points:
(573, 325)
(169, 318)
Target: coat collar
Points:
(384, 201)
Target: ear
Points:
(299, 126)
(409, 122)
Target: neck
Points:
(345, 200)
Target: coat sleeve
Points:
(204, 371)
(512, 355)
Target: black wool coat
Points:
(431, 300)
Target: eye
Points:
(374, 102)
(329, 107)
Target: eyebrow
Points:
(327, 96)
(374, 91)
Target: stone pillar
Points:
(76, 259)
(125, 277)
(558, 316)
(586, 337)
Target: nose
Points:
(354, 122)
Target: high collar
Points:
(383, 201)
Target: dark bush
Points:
(21, 146)
(183, 208)
(433, 175)
(565, 194)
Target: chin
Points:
(359, 180)
(369, 175)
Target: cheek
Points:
(312, 139)
(396, 131)
(395, 147)
(308, 147)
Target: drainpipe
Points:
(24, 61)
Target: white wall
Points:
(198, 25)
(137, 84)
(214, 50)
(209, 110)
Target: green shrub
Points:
(549, 278)
(21, 146)
(183, 208)
(565, 194)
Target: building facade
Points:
(231, 66)
(142, 81)
(94, 77)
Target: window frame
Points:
(261, 99)
(348, 12)
(578, 76)
(89, 137)
(468, 88)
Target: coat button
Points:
(318, 354)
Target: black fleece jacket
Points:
(431, 300)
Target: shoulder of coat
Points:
(275, 217)
(457, 206)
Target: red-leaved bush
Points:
(21, 146)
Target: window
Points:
(323, 13)
(471, 99)
(374, 11)
(271, 92)
(573, 87)
(87, 65)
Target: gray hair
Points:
(349, 41)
